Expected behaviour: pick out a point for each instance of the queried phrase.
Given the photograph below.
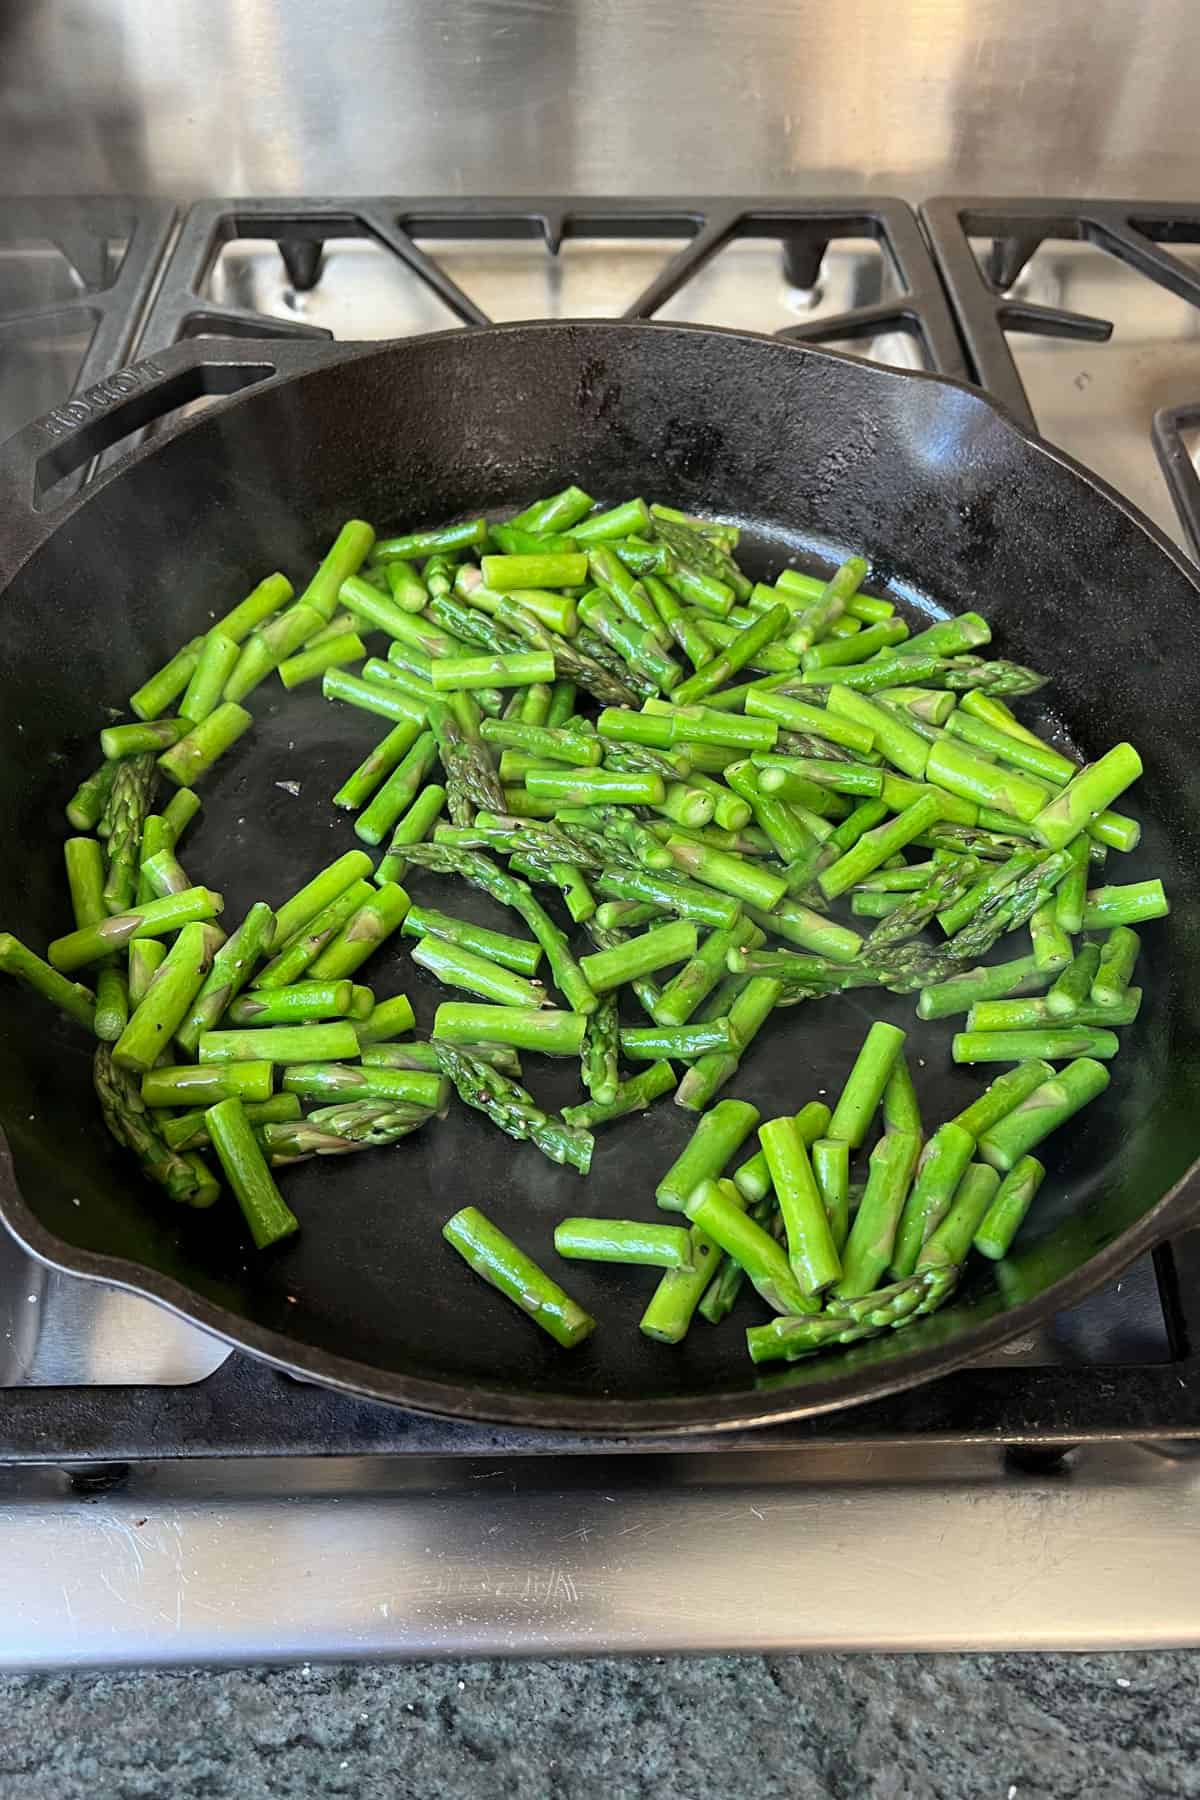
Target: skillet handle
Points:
(42, 454)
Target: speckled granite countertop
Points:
(1095, 1727)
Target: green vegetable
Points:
(266, 1213)
(624, 1241)
(716, 1138)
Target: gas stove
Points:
(168, 1500)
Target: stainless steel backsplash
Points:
(618, 96)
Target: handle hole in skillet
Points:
(112, 421)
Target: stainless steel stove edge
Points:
(903, 1550)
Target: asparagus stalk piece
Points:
(812, 1252)
(996, 981)
(675, 1299)
(129, 802)
(831, 1167)
(71, 997)
(187, 1084)
(753, 1178)
(305, 1002)
(388, 1019)
(358, 787)
(154, 696)
(1071, 988)
(1000, 1097)
(678, 1043)
(624, 1241)
(512, 1108)
(118, 741)
(872, 1237)
(196, 753)
(1052, 1043)
(231, 969)
(1051, 945)
(182, 1177)
(164, 1007)
(941, 1168)
(302, 949)
(329, 1042)
(455, 966)
(1042, 1111)
(412, 828)
(1091, 791)
(500, 1263)
(521, 955)
(699, 976)
(634, 1095)
(264, 1209)
(1118, 955)
(525, 1028)
(865, 1083)
(157, 918)
(1072, 890)
(1131, 904)
(1020, 1015)
(901, 1110)
(374, 1081)
(714, 1141)
(946, 1248)
(362, 934)
(1003, 1219)
(719, 1215)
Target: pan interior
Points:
(813, 457)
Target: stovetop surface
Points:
(85, 285)
(165, 1501)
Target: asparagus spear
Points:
(341, 1130)
(266, 1213)
(675, 1299)
(184, 1178)
(499, 1261)
(71, 997)
(600, 1057)
(128, 804)
(87, 804)
(719, 1215)
(511, 1107)
(811, 1250)
(624, 1241)
(634, 1095)
(714, 1141)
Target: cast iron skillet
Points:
(814, 455)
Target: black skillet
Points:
(814, 455)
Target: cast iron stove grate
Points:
(1139, 234)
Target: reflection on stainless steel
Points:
(364, 292)
(1098, 400)
(56, 1331)
(238, 1563)
(504, 96)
